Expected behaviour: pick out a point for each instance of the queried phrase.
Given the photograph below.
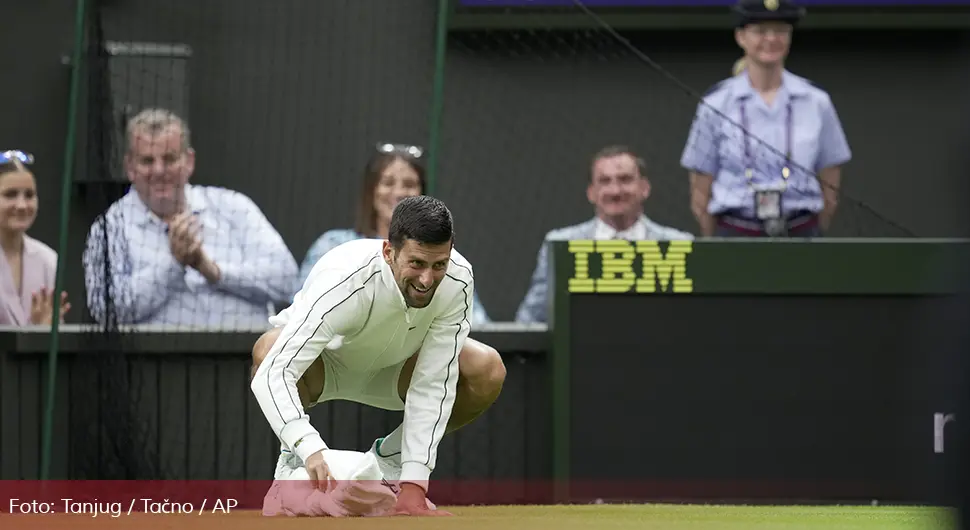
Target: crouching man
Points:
(384, 324)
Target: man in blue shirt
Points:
(766, 148)
(174, 254)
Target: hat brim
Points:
(789, 16)
(746, 20)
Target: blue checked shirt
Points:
(146, 285)
(334, 238)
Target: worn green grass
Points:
(699, 517)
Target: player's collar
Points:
(387, 276)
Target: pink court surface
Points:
(578, 517)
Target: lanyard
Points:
(785, 171)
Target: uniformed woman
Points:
(766, 147)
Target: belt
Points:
(757, 227)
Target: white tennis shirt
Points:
(351, 307)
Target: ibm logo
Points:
(658, 272)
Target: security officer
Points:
(766, 147)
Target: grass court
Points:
(600, 517)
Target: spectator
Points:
(617, 189)
(392, 174)
(27, 266)
(175, 254)
(766, 148)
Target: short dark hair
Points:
(423, 219)
(618, 150)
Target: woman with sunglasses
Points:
(27, 266)
(392, 174)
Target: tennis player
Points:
(384, 323)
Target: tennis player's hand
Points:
(319, 473)
(412, 501)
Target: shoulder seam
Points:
(349, 276)
(459, 280)
(463, 267)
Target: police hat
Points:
(754, 11)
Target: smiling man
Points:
(383, 323)
(175, 254)
(617, 189)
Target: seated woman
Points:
(391, 175)
(27, 266)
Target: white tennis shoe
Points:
(390, 465)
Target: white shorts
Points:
(376, 389)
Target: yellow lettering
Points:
(617, 275)
(617, 258)
(664, 270)
(581, 282)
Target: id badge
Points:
(767, 204)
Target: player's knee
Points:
(496, 369)
(484, 369)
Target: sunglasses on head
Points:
(412, 151)
(8, 157)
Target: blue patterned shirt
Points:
(716, 144)
(146, 285)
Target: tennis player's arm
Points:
(136, 295)
(434, 382)
(329, 310)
